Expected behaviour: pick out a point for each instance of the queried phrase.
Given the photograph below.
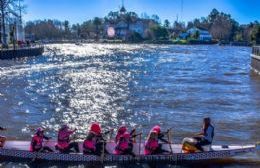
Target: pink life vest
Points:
(120, 132)
(122, 144)
(150, 146)
(38, 145)
(64, 138)
(89, 144)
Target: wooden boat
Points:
(19, 150)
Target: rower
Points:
(152, 145)
(64, 145)
(124, 142)
(122, 129)
(2, 138)
(205, 137)
(37, 142)
(95, 143)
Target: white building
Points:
(204, 35)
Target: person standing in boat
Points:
(37, 142)
(2, 138)
(64, 145)
(205, 137)
(95, 143)
(152, 145)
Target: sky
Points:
(78, 11)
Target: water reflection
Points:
(139, 85)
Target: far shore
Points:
(163, 42)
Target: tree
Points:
(159, 33)
(255, 35)
(156, 18)
(167, 24)
(97, 22)
(7, 7)
(213, 15)
(66, 28)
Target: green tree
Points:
(159, 33)
(167, 23)
(255, 35)
(97, 22)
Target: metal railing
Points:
(256, 50)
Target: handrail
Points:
(256, 50)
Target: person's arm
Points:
(46, 138)
(160, 137)
(133, 131)
(33, 143)
(2, 129)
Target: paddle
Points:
(169, 139)
(140, 141)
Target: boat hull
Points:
(18, 153)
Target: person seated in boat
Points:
(37, 142)
(95, 143)
(64, 145)
(122, 129)
(205, 137)
(124, 146)
(152, 145)
(2, 138)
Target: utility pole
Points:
(181, 10)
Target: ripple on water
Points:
(137, 85)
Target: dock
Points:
(255, 59)
(6, 54)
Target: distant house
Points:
(204, 35)
(123, 29)
(184, 35)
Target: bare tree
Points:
(9, 7)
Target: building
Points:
(123, 29)
(204, 35)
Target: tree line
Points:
(220, 25)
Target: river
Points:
(138, 85)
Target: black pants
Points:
(201, 142)
(73, 147)
(44, 149)
(99, 148)
(159, 150)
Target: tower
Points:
(123, 10)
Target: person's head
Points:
(156, 129)
(153, 135)
(64, 127)
(95, 127)
(122, 129)
(206, 121)
(39, 131)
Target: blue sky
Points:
(77, 11)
